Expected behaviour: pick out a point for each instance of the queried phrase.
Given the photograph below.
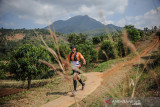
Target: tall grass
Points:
(129, 85)
(63, 63)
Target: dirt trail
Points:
(93, 79)
(108, 73)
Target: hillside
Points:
(81, 24)
(11, 39)
(111, 81)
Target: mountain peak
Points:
(86, 16)
(77, 24)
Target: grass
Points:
(21, 84)
(58, 87)
(108, 64)
(145, 84)
(17, 96)
(144, 88)
(38, 96)
(124, 87)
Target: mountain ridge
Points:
(80, 24)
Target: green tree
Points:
(64, 50)
(103, 37)
(106, 50)
(146, 29)
(25, 65)
(133, 33)
(96, 40)
(155, 28)
(76, 38)
(88, 51)
(158, 34)
(3, 69)
(122, 50)
(84, 46)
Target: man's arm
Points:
(84, 61)
(82, 58)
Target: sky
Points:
(29, 14)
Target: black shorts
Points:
(74, 71)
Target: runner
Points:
(75, 57)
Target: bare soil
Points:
(9, 91)
(16, 37)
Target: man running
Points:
(75, 57)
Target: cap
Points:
(72, 47)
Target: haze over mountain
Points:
(81, 24)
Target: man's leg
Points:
(75, 81)
(79, 79)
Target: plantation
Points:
(40, 57)
(79, 53)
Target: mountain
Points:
(80, 24)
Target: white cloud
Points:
(39, 10)
(148, 19)
(7, 23)
(109, 22)
(129, 18)
(122, 22)
(138, 17)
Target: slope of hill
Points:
(81, 24)
(11, 39)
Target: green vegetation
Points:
(24, 63)
(28, 37)
(84, 46)
(42, 91)
(96, 40)
(107, 52)
(76, 39)
(3, 69)
(108, 64)
(23, 58)
(133, 33)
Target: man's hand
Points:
(84, 62)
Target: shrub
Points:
(133, 33)
(3, 68)
(25, 65)
(88, 51)
(107, 47)
(96, 40)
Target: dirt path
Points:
(130, 61)
(93, 81)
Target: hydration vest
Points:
(75, 56)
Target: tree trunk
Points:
(29, 83)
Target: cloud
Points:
(109, 22)
(148, 19)
(7, 23)
(42, 10)
(122, 22)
